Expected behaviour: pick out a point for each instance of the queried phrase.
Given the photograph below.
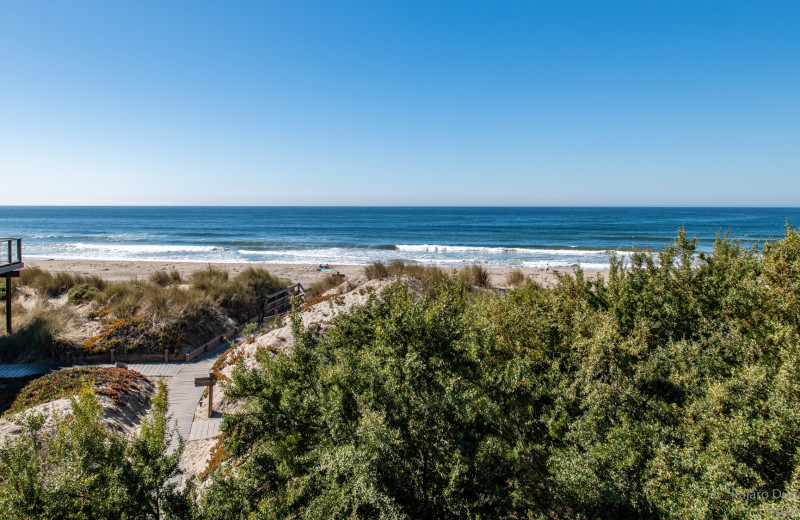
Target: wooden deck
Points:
(10, 255)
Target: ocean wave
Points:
(571, 251)
(144, 248)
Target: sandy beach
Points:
(305, 274)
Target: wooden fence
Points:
(280, 301)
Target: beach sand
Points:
(306, 274)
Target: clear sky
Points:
(400, 103)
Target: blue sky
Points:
(400, 103)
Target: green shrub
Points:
(655, 394)
(85, 471)
(81, 293)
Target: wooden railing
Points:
(10, 254)
(280, 301)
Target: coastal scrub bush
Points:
(85, 471)
(669, 390)
(81, 293)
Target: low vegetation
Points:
(53, 284)
(136, 316)
(516, 278)
(40, 333)
(320, 286)
(64, 383)
(668, 391)
(85, 471)
(165, 278)
(427, 278)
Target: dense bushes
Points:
(664, 392)
(84, 471)
(668, 391)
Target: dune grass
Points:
(53, 284)
(151, 315)
(515, 278)
(320, 286)
(428, 277)
(165, 278)
(39, 333)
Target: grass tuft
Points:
(474, 276)
(164, 278)
(320, 286)
(52, 284)
(40, 333)
(515, 278)
(376, 271)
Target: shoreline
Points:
(306, 274)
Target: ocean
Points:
(447, 236)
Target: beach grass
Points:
(53, 284)
(165, 278)
(516, 278)
(39, 333)
(136, 315)
(320, 286)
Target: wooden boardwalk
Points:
(184, 396)
(205, 428)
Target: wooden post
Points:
(210, 400)
(8, 297)
(208, 382)
(166, 355)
